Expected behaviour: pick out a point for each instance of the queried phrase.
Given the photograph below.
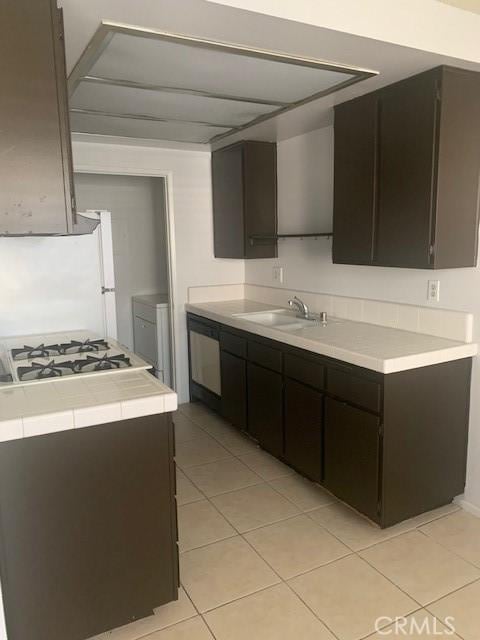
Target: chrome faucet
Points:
(301, 307)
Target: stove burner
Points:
(76, 346)
(38, 371)
(105, 363)
(42, 351)
(66, 348)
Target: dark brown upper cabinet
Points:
(407, 167)
(244, 182)
(36, 192)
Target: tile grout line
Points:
(432, 539)
(447, 595)
(263, 480)
(352, 551)
(282, 581)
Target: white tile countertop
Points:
(59, 405)
(375, 347)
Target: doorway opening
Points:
(142, 262)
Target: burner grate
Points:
(65, 348)
(39, 371)
(41, 351)
(105, 363)
(77, 346)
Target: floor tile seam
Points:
(457, 555)
(190, 466)
(208, 544)
(384, 626)
(447, 595)
(168, 626)
(325, 528)
(223, 493)
(285, 582)
(421, 605)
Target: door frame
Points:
(170, 240)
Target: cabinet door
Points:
(304, 429)
(35, 153)
(227, 187)
(234, 389)
(355, 182)
(408, 130)
(260, 189)
(265, 408)
(352, 456)
(88, 528)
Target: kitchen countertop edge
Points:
(145, 395)
(386, 366)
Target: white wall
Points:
(423, 24)
(138, 230)
(305, 186)
(190, 195)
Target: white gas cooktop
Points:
(37, 358)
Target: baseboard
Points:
(468, 506)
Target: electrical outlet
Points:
(433, 293)
(278, 274)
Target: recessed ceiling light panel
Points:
(152, 83)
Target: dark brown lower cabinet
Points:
(88, 528)
(352, 440)
(392, 446)
(304, 429)
(234, 389)
(265, 408)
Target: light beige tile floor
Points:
(304, 494)
(267, 555)
(186, 490)
(421, 567)
(266, 465)
(254, 507)
(199, 524)
(222, 476)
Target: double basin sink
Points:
(279, 319)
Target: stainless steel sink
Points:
(278, 319)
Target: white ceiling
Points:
(465, 5)
(213, 21)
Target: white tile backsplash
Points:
(443, 323)
(216, 293)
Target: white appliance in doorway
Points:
(151, 333)
(107, 272)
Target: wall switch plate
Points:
(278, 274)
(433, 293)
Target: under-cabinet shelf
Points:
(278, 236)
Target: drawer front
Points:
(306, 371)
(204, 328)
(233, 344)
(144, 311)
(265, 356)
(145, 338)
(354, 389)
